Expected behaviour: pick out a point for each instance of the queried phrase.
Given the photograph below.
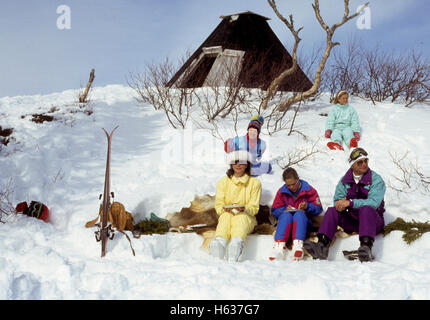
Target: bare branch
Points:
(411, 178)
(329, 45)
(151, 87)
(6, 193)
(83, 96)
(273, 88)
(298, 155)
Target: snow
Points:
(158, 169)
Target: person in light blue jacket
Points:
(342, 124)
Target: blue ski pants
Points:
(292, 224)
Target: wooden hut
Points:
(242, 48)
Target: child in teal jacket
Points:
(342, 124)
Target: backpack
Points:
(118, 216)
(36, 209)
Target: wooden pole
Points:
(83, 96)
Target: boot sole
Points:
(279, 258)
(364, 254)
(312, 249)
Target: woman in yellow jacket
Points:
(237, 201)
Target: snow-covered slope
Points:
(158, 169)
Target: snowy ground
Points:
(158, 169)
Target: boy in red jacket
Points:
(295, 202)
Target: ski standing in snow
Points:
(104, 229)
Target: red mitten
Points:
(327, 134)
(334, 145)
(357, 136)
(21, 207)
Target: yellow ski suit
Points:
(246, 191)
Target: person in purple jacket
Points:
(358, 207)
(295, 202)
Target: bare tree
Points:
(151, 87)
(409, 177)
(345, 70)
(6, 193)
(378, 75)
(276, 120)
(403, 77)
(223, 92)
(381, 72)
(298, 155)
(233, 98)
(295, 32)
(417, 87)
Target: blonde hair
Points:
(338, 95)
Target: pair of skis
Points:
(105, 229)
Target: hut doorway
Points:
(214, 67)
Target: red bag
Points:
(36, 209)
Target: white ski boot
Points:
(235, 249)
(217, 247)
(279, 251)
(297, 250)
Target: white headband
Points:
(341, 93)
(361, 156)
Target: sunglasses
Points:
(360, 162)
(356, 153)
(242, 162)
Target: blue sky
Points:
(119, 36)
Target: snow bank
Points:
(158, 169)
